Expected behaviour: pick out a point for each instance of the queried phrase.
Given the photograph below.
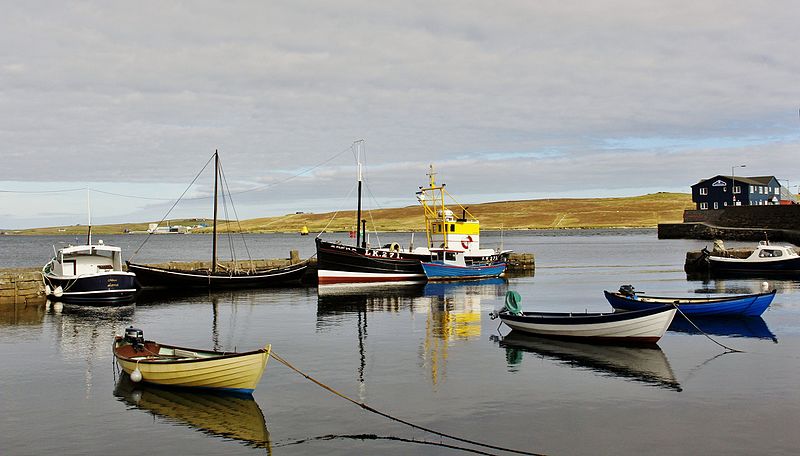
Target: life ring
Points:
(465, 242)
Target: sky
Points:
(508, 100)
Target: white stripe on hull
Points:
(645, 327)
(328, 276)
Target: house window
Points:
(704, 190)
(703, 205)
(752, 189)
(716, 205)
(737, 189)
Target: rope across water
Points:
(399, 420)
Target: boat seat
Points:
(185, 353)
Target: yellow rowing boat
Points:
(167, 365)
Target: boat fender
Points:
(513, 300)
(47, 290)
(58, 292)
(394, 247)
(136, 375)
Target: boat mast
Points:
(89, 216)
(358, 145)
(214, 241)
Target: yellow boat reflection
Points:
(236, 417)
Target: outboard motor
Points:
(627, 290)
(135, 337)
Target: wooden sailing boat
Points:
(215, 276)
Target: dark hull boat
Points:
(338, 263)
(216, 277)
(751, 305)
(96, 289)
(89, 274)
(767, 260)
(361, 262)
(150, 276)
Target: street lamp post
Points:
(733, 183)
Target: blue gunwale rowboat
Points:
(751, 305)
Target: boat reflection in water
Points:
(452, 312)
(236, 417)
(751, 327)
(646, 365)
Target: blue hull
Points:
(441, 271)
(743, 305)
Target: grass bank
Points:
(645, 211)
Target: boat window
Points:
(452, 227)
(767, 253)
(791, 251)
(451, 256)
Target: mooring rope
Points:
(703, 332)
(380, 437)
(399, 420)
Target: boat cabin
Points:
(87, 259)
(453, 233)
(449, 257)
(768, 252)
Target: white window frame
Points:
(704, 190)
(703, 206)
(737, 189)
(716, 205)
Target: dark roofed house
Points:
(722, 191)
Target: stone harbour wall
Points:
(21, 286)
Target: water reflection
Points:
(231, 417)
(21, 314)
(752, 327)
(84, 331)
(647, 365)
(452, 313)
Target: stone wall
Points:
(777, 217)
(20, 286)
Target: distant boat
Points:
(340, 263)
(304, 231)
(766, 258)
(89, 274)
(633, 327)
(167, 365)
(745, 305)
(215, 277)
(451, 265)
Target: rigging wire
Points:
(236, 216)
(173, 206)
(43, 191)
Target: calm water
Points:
(428, 354)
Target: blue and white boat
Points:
(452, 265)
(751, 305)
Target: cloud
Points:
(542, 97)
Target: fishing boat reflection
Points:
(646, 365)
(223, 415)
(452, 312)
(751, 327)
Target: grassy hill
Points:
(628, 212)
